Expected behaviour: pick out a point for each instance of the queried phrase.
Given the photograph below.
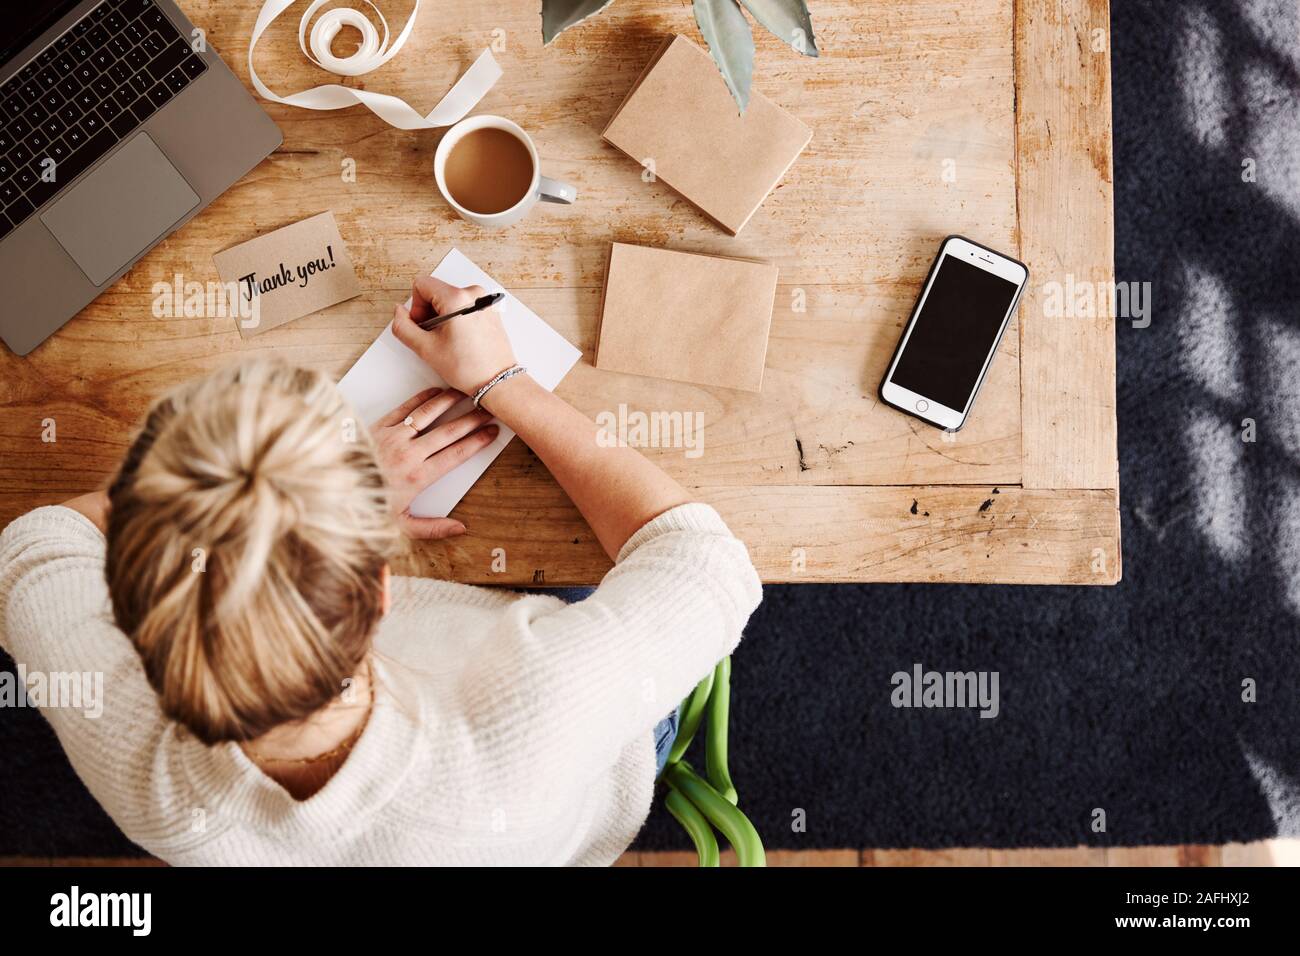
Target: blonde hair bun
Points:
(248, 533)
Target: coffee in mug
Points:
(487, 169)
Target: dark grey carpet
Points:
(1127, 700)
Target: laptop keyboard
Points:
(88, 90)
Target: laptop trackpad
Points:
(120, 208)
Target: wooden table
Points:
(989, 118)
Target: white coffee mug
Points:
(541, 188)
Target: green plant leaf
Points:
(788, 20)
(559, 15)
(726, 31)
(696, 826)
(730, 821)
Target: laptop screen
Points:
(25, 21)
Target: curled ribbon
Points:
(370, 55)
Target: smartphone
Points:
(949, 342)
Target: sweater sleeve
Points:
(52, 580)
(584, 680)
(81, 671)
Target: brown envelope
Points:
(686, 317)
(681, 116)
(286, 274)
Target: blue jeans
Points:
(665, 731)
(665, 734)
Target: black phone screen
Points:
(954, 333)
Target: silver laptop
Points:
(117, 124)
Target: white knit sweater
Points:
(506, 729)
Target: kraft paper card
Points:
(389, 373)
(686, 317)
(681, 117)
(287, 274)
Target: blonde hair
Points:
(247, 536)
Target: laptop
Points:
(117, 125)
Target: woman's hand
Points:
(615, 488)
(467, 351)
(412, 458)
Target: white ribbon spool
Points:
(370, 55)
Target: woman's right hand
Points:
(467, 351)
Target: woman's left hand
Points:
(412, 459)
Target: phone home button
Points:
(922, 406)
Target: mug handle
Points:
(552, 190)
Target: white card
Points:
(389, 373)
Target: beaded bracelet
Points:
(497, 379)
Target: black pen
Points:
(481, 303)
